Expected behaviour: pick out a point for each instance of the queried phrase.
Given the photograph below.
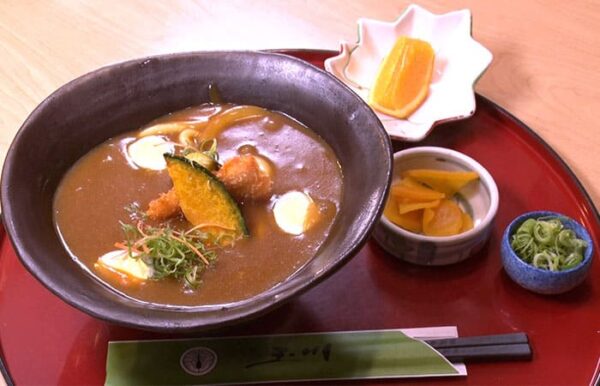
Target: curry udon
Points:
(208, 205)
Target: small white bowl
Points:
(459, 63)
(478, 198)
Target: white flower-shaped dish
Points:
(459, 62)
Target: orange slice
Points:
(402, 83)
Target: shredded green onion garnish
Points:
(172, 253)
(205, 153)
(545, 243)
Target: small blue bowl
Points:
(540, 280)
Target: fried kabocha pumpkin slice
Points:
(204, 200)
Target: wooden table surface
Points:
(545, 68)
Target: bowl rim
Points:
(266, 300)
(484, 176)
(581, 232)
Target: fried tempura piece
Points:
(164, 207)
(246, 178)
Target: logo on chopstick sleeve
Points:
(198, 360)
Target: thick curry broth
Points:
(90, 202)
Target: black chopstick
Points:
(513, 346)
(502, 352)
(485, 340)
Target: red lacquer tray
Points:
(45, 341)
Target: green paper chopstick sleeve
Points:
(274, 358)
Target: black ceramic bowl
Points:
(122, 97)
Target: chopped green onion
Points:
(204, 154)
(547, 244)
(172, 253)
